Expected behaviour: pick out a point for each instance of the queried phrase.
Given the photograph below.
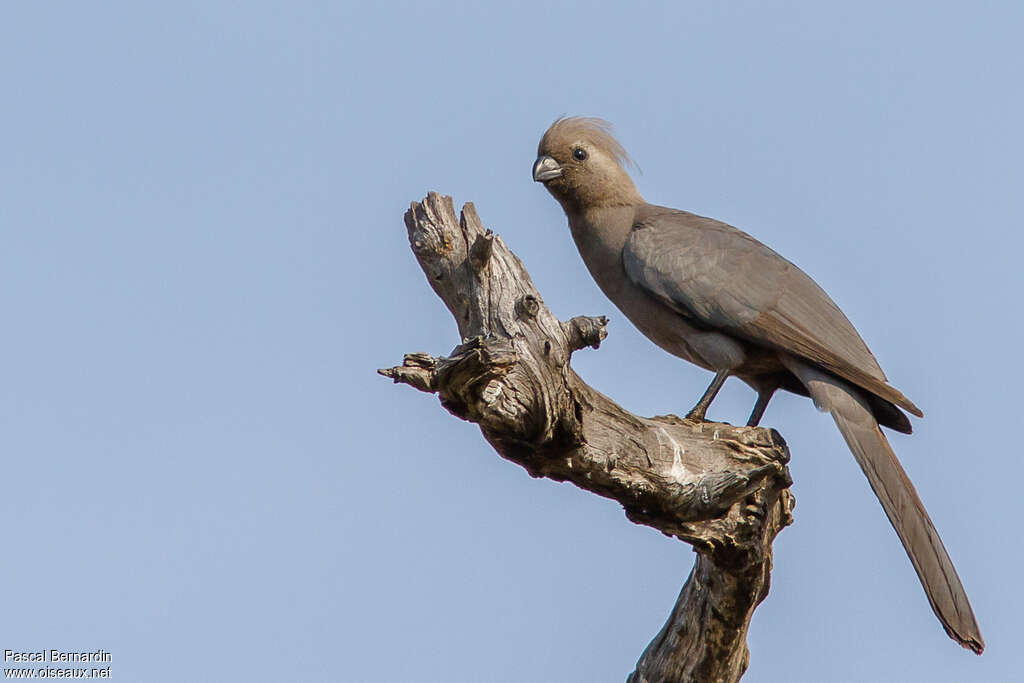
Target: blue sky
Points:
(203, 262)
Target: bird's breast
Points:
(600, 240)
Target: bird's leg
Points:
(763, 396)
(701, 408)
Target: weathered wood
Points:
(723, 489)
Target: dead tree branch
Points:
(720, 488)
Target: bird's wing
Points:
(725, 279)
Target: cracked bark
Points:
(720, 488)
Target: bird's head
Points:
(582, 165)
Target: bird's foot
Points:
(697, 414)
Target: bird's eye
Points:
(579, 154)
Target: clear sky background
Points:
(203, 262)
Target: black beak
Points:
(545, 169)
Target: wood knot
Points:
(527, 307)
(480, 252)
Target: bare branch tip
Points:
(586, 331)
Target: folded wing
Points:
(723, 278)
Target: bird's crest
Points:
(598, 132)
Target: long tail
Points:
(899, 499)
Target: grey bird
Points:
(715, 296)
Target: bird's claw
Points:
(697, 415)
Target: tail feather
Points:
(899, 499)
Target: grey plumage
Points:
(715, 296)
(900, 501)
(727, 280)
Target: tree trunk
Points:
(720, 488)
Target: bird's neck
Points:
(600, 234)
(579, 199)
